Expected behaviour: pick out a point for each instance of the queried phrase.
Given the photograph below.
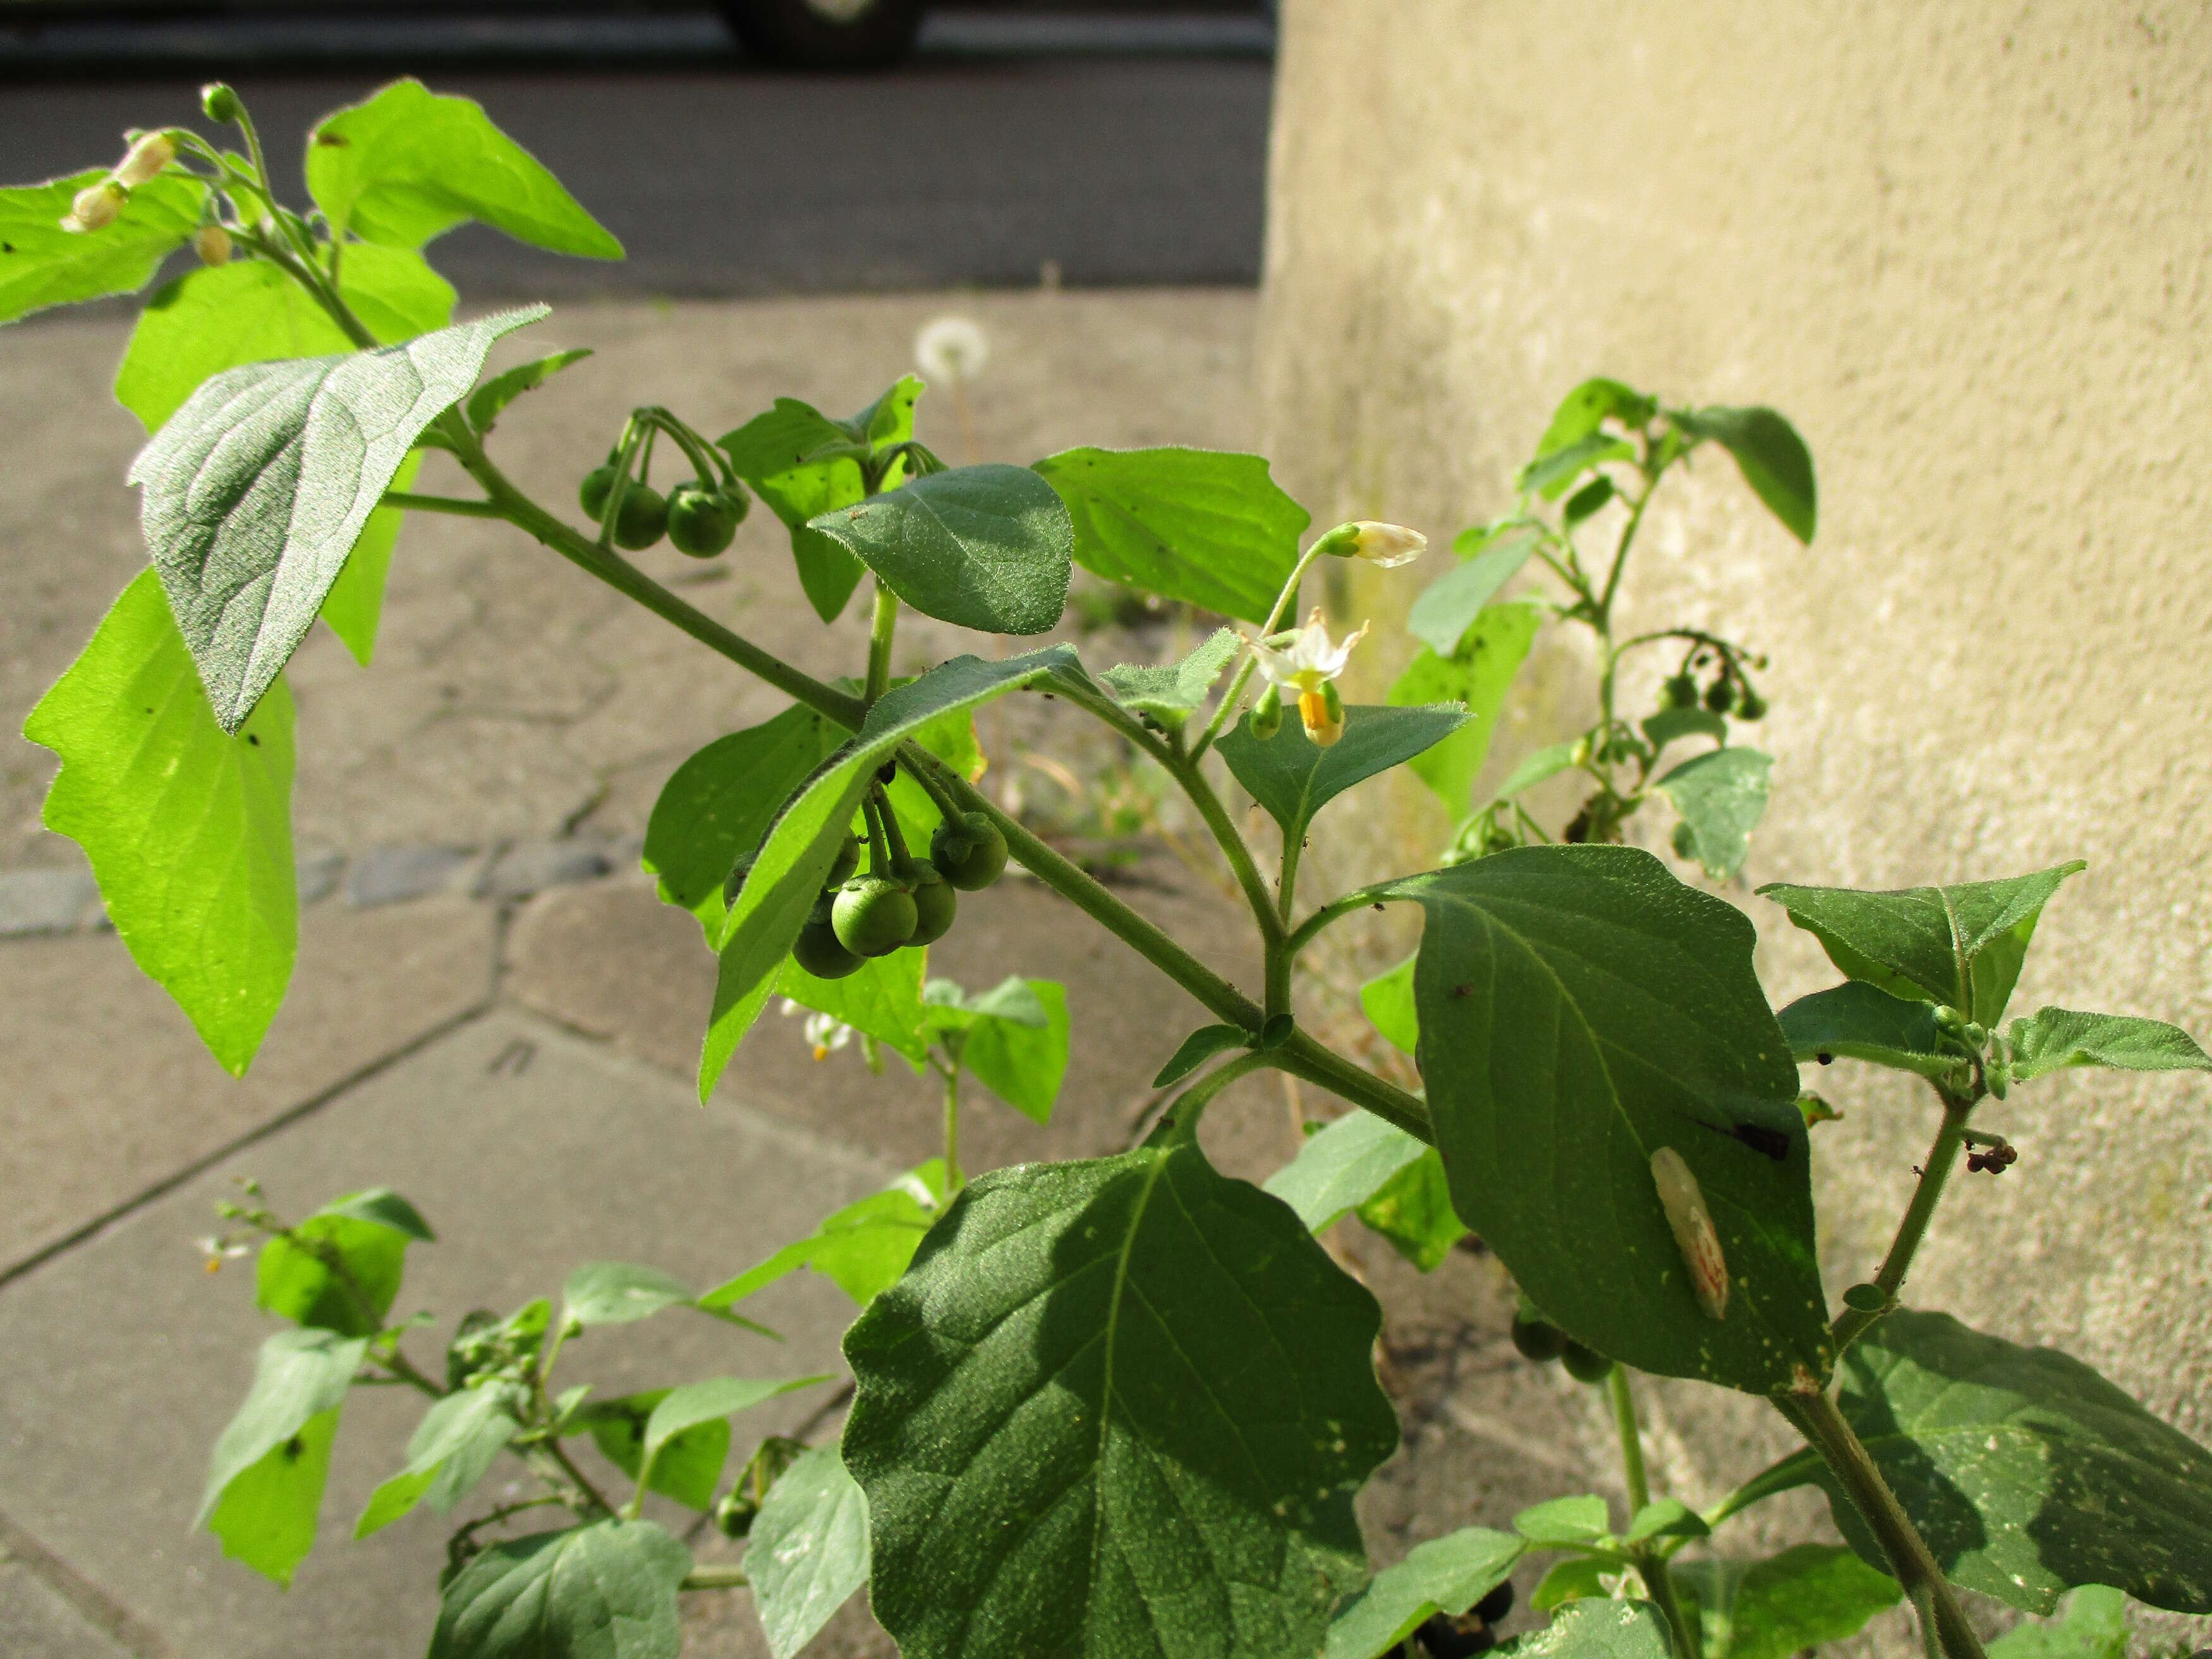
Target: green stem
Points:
(559, 1454)
(879, 643)
(1943, 1627)
(702, 1578)
(1942, 1157)
(1284, 601)
(408, 500)
(1301, 1056)
(954, 1181)
(1650, 1564)
(1304, 933)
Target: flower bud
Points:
(1268, 714)
(1386, 544)
(144, 160)
(219, 103)
(212, 244)
(95, 206)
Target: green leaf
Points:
(1293, 779)
(1673, 724)
(862, 1248)
(353, 608)
(983, 547)
(1580, 1009)
(1118, 1404)
(1596, 1629)
(1173, 692)
(618, 1292)
(801, 844)
(1447, 1575)
(1665, 1517)
(41, 264)
(1720, 797)
(1447, 608)
(2028, 1474)
(350, 1289)
(1587, 407)
(1387, 1002)
(881, 998)
(1342, 1166)
(1804, 1597)
(1861, 1021)
(1582, 1520)
(1413, 1211)
(266, 1478)
(2094, 1625)
(1546, 763)
(1198, 524)
(1772, 457)
(453, 1447)
(1570, 1579)
(689, 1466)
(808, 1550)
(697, 1412)
(1195, 1050)
(1960, 945)
(189, 829)
(602, 1591)
(769, 453)
(1477, 675)
(409, 165)
(488, 401)
(256, 488)
(2056, 1038)
(1021, 1062)
(1550, 475)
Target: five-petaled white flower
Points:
(951, 349)
(825, 1033)
(1304, 662)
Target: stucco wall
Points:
(1965, 247)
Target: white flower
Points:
(1387, 544)
(825, 1033)
(1305, 663)
(146, 159)
(95, 206)
(951, 349)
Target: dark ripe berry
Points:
(642, 518)
(873, 917)
(935, 902)
(1443, 1637)
(736, 879)
(1538, 1339)
(817, 950)
(1585, 1365)
(1720, 695)
(970, 854)
(1494, 1606)
(847, 861)
(592, 492)
(702, 521)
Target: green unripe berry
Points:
(1585, 1365)
(642, 518)
(873, 917)
(847, 861)
(1750, 706)
(1268, 714)
(1538, 1339)
(219, 103)
(817, 950)
(1680, 692)
(592, 494)
(1720, 695)
(971, 853)
(702, 521)
(935, 902)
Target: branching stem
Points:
(1942, 1158)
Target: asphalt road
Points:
(969, 166)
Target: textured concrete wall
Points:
(1966, 248)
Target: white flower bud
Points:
(212, 244)
(146, 159)
(1386, 544)
(95, 206)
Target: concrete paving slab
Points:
(45, 900)
(37, 1623)
(110, 1092)
(121, 1360)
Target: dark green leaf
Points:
(863, 1248)
(188, 828)
(1960, 945)
(1019, 1062)
(1596, 1629)
(1582, 1520)
(2028, 1474)
(808, 1550)
(453, 1447)
(344, 1270)
(1342, 1167)
(1589, 501)
(796, 854)
(1446, 1575)
(1720, 797)
(1580, 1009)
(1196, 1050)
(2056, 1038)
(1587, 407)
(689, 1466)
(41, 264)
(1551, 476)
(1673, 724)
(1387, 1002)
(602, 1591)
(1171, 694)
(1413, 1210)
(983, 547)
(1772, 457)
(1803, 1598)
(2093, 1626)
(1449, 605)
(699, 1413)
(409, 165)
(256, 488)
(769, 453)
(266, 1478)
(1198, 524)
(1477, 675)
(488, 401)
(1293, 779)
(1861, 1021)
(1116, 1405)
(617, 1292)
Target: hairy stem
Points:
(1942, 1158)
(409, 502)
(885, 623)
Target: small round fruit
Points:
(1750, 706)
(817, 950)
(700, 521)
(1538, 1339)
(1720, 695)
(642, 518)
(935, 902)
(873, 917)
(593, 491)
(970, 854)
(1680, 691)
(1585, 1365)
(1496, 1605)
(847, 861)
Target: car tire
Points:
(826, 34)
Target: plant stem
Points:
(879, 644)
(1284, 601)
(954, 1181)
(554, 1449)
(1650, 1564)
(702, 1579)
(1942, 1157)
(1301, 1056)
(409, 502)
(1943, 1627)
